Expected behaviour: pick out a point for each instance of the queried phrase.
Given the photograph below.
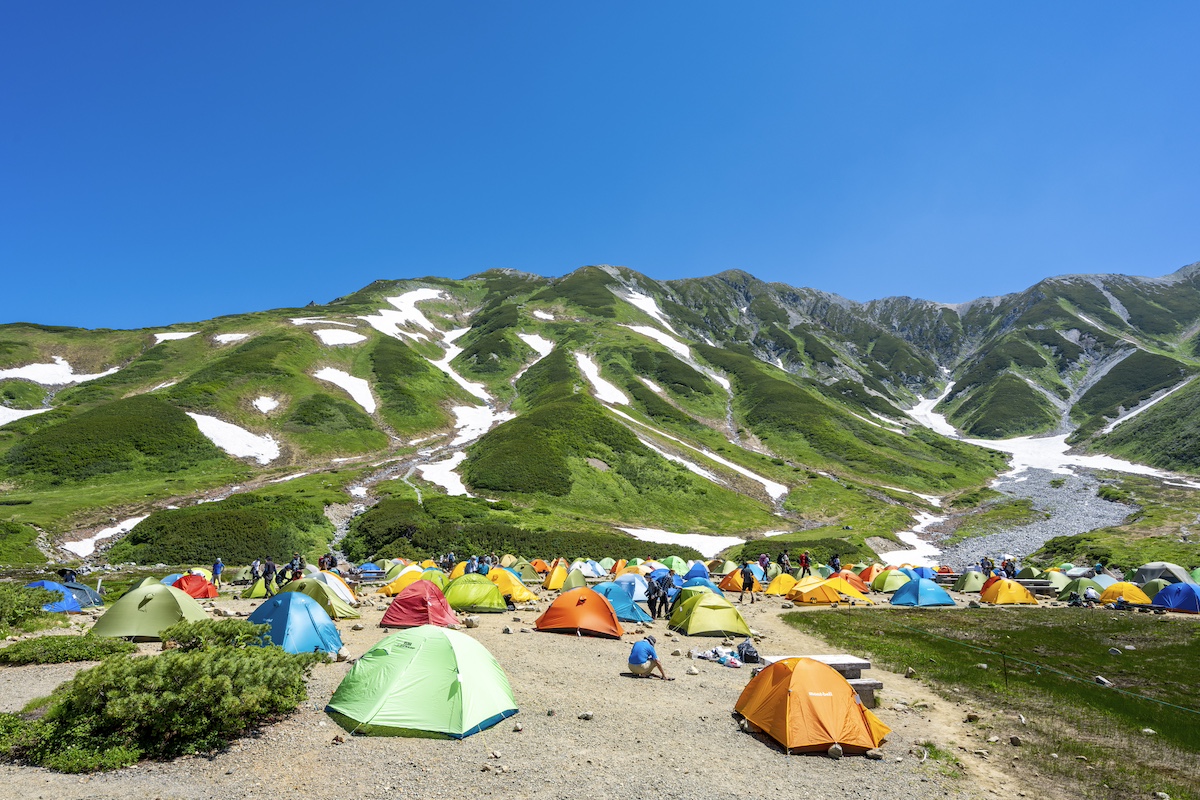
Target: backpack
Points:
(747, 654)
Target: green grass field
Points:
(1041, 663)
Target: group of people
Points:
(274, 577)
(661, 595)
(748, 575)
(481, 565)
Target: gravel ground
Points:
(647, 738)
(1074, 508)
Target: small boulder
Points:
(1112, 651)
(676, 652)
(874, 754)
(518, 728)
(1015, 741)
(973, 604)
(507, 629)
(972, 717)
(1100, 679)
(981, 666)
(586, 715)
(693, 671)
(1149, 732)
(471, 622)
(909, 672)
(834, 751)
(358, 626)
(786, 605)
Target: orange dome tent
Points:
(868, 574)
(196, 585)
(582, 611)
(733, 582)
(807, 706)
(851, 578)
(541, 566)
(617, 566)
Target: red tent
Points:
(196, 585)
(419, 603)
(581, 611)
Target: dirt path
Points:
(647, 738)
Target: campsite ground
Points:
(647, 738)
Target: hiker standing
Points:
(747, 583)
(217, 569)
(805, 565)
(764, 561)
(666, 583)
(835, 564)
(653, 592)
(255, 571)
(269, 576)
(785, 563)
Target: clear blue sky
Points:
(164, 162)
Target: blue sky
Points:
(173, 162)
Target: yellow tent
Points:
(639, 569)
(510, 585)
(556, 577)
(1129, 591)
(809, 582)
(408, 575)
(459, 570)
(781, 585)
(427, 563)
(842, 586)
(819, 593)
(1005, 593)
(508, 559)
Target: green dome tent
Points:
(724, 568)
(1151, 588)
(1029, 571)
(891, 580)
(144, 612)
(674, 562)
(607, 563)
(476, 593)
(970, 581)
(146, 581)
(425, 681)
(708, 614)
(574, 580)
(1057, 579)
(527, 572)
(1079, 585)
(334, 606)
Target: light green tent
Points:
(708, 614)
(144, 612)
(1079, 585)
(574, 580)
(334, 606)
(891, 580)
(256, 590)
(970, 581)
(676, 563)
(527, 572)
(437, 578)
(425, 681)
(633, 562)
(724, 568)
(773, 572)
(825, 571)
(476, 593)
(1029, 571)
(606, 563)
(688, 592)
(1057, 579)
(146, 581)
(1151, 588)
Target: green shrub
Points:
(239, 529)
(141, 431)
(63, 649)
(209, 633)
(1113, 494)
(1007, 406)
(487, 347)
(587, 288)
(669, 372)
(326, 414)
(1129, 383)
(22, 608)
(17, 543)
(180, 702)
(259, 360)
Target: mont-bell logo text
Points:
(820, 694)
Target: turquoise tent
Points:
(622, 603)
(298, 624)
(921, 592)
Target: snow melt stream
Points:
(85, 547)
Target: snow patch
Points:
(651, 385)
(237, 441)
(85, 547)
(8, 415)
(648, 304)
(226, 338)
(159, 338)
(543, 315)
(334, 336)
(474, 421)
(724, 382)
(406, 313)
(701, 471)
(164, 385)
(287, 478)
(541, 344)
(605, 391)
(1109, 427)
(708, 546)
(452, 351)
(442, 474)
(358, 491)
(922, 554)
(266, 404)
(357, 388)
(923, 414)
(670, 342)
(320, 321)
(58, 373)
(776, 491)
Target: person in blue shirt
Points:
(217, 569)
(643, 660)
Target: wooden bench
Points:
(850, 667)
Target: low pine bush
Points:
(183, 701)
(63, 649)
(22, 608)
